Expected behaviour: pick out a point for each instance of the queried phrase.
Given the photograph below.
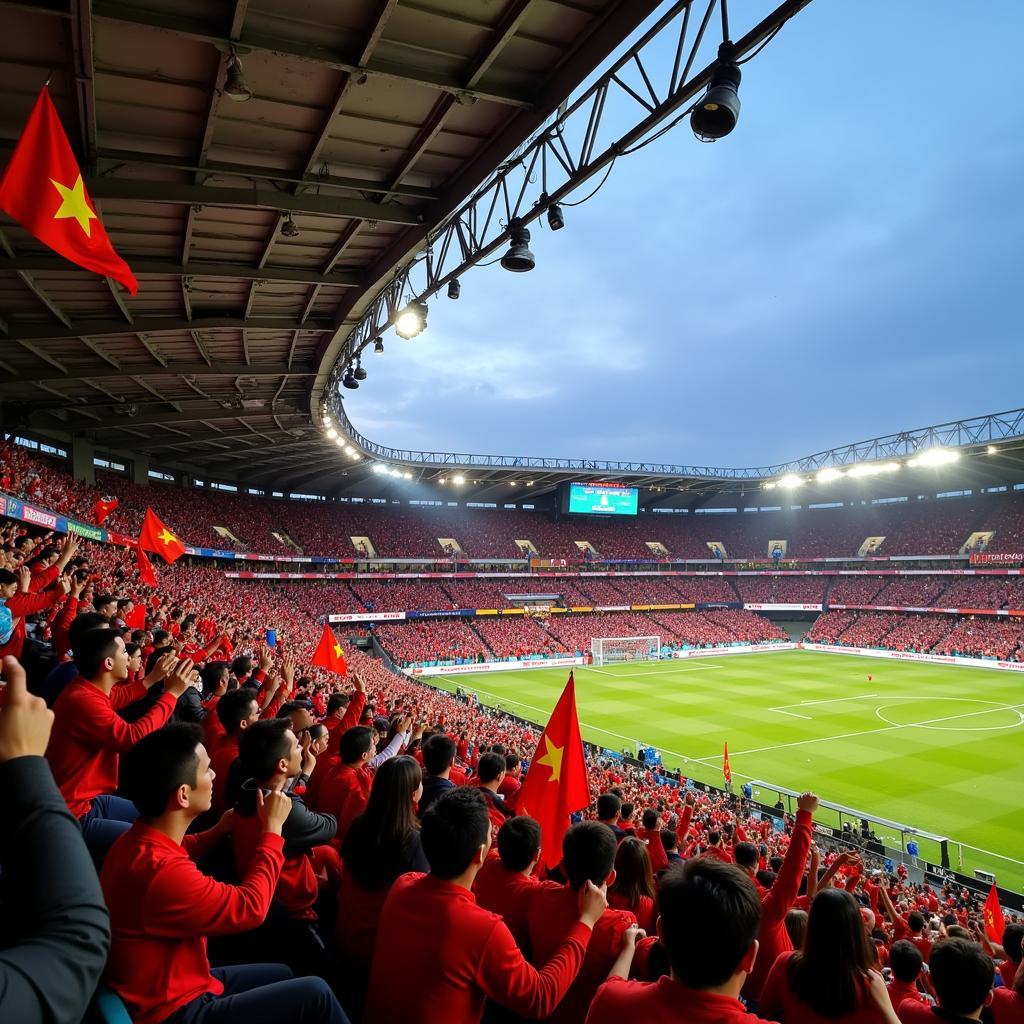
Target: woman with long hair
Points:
(633, 888)
(833, 978)
(381, 844)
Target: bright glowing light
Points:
(529, 483)
(356, 456)
(934, 457)
(991, 449)
(873, 468)
(407, 475)
(458, 479)
(379, 467)
(829, 473)
(411, 320)
(341, 442)
(791, 480)
(332, 433)
(770, 485)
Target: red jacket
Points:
(88, 735)
(21, 605)
(664, 1002)
(655, 848)
(507, 894)
(780, 1002)
(162, 908)
(439, 955)
(345, 794)
(900, 990)
(551, 916)
(221, 761)
(1007, 1007)
(775, 904)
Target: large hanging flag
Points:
(726, 770)
(329, 654)
(146, 573)
(994, 921)
(156, 537)
(103, 508)
(556, 784)
(42, 189)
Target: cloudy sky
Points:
(847, 263)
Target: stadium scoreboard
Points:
(609, 499)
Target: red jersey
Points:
(643, 910)
(162, 908)
(551, 916)
(507, 894)
(88, 735)
(664, 1001)
(470, 956)
(655, 849)
(1007, 1007)
(780, 1002)
(221, 761)
(900, 990)
(345, 794)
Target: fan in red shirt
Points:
(905, 961)
(88, 734)
(439, 955)
(651, 835)
(236, 711)
(633, 889)
(588, 858)
(832, 978)
(506, 882)
(1013, 935)
(962, 975)
(162, 907)
(710, 918)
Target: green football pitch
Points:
(938, 748)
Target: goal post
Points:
(617, 650)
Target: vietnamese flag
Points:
(994, 922)
(156, 537)
(146, 573)
(103, 508)
(329, 654)
(136, 618)
(42, 189)
(726, 770)
(556, 784)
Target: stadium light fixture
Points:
(770, 485)
(717, 112)
(356, 456)
(829, 473)
(991, 449)
(332, 433)
(289, 228)
(379, 467)
(235, 86)
(442, 479)
(407, 475)
(518, 259)
(378, 346)
(872, 468)
(412, 320)
(454, 288)
(934, 457)
(791, 480)
(458, 479)
(359, 373)
(349, 381)
(342, 443)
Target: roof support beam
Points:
(187, 416)
(163, 325)
(213, 438)
(201, 30)
(176, 369)
(254, 198)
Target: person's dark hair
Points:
(155, 655)
(233, 707)
(831, 970)
(511, 763)
(633, 876)
(669, 839)
(745, 855)
(102, 599)
(608, 805)
(45, 552)
(962, 974)
(132, 648)
(92, 648)
(123, 602)
(1012, 942)
(317, 730)
(7, 578)
(375, 849)
(438, 754)
(262, 745)
(915, 919)
(158, 764)
(518, 842)
(723, 899)
(796, 926)
(211, 674)
(588, 853)
(85, 622)
(627, 811)
(240, 667)
(160, 637)
(490, 767)
(714, 837)
(337, 701)
(454, 828)
(355, 742)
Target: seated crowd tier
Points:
(349, 529)
(202, 827)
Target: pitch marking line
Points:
(644, 675)
(781, 709)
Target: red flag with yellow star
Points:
(556, 784)
(995, 923)
(329, 654)
(156, 537)
(146, 573)
(42, 189)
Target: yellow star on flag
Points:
(552, 758)
(337, 650)
(166, 536)
(74, 204)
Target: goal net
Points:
(614, 650)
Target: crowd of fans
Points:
(222, 833)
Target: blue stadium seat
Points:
(109, 1006)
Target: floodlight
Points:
(412, 320)
(454, 288)
(518, 259)
(829, 473)
(791, 480)
(289, 228)
(349, 381)
(770, 485)
(934, 457)
(379, 467)
(718, 110)
(407, 475)
(332, 433)
(556, 219)
(991, 449)
(235, 86)
(342, 443)
(458, 479)
(359, 373)
(378, 346)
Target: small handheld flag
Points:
(329, 654)
(995, 924)
(726, 770)
(146, 573)
(156, 537)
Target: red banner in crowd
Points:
(996, 558)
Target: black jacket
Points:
(434, 787)
(304, 828)
(56, 930)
